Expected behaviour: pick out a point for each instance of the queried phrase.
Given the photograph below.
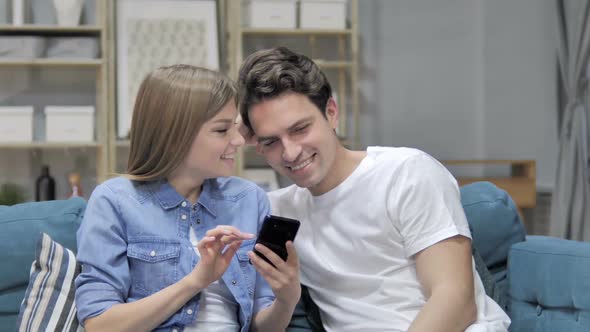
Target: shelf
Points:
(49, 145)
(61, 62)
(35, 29)
(122, 143)
(489, 161)
(520, 184)
(295, 32)
(333, 64)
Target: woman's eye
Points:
(221, 131)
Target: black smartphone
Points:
(275, 233)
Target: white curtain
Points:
(570, 207)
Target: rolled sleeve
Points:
(104, 279)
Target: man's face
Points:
(296, 139)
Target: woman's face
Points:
(214, 149)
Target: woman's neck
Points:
(188, 188)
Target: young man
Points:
(384, 244)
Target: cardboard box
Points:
(323, 14)
(279, 14)
(16, 124)
(69, 123)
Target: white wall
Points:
(520, 84)
(461, 79)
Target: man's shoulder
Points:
(399, 154)
(285, 197)
(394, 158)
(284, 193)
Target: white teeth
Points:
(227, 156)
(300, 166)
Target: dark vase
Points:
(45, 186)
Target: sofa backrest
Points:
(20, 227)
(495, 227)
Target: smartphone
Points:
(275, 232)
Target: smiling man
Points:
(384, 244)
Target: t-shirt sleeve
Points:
(425, 204)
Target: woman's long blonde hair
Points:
(171, 106)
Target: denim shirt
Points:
(134, 241)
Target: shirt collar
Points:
(169, 198)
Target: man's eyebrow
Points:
(293, 126)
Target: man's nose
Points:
(291, 150)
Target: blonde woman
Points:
(167, 246)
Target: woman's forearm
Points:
(145, 314)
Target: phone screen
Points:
(275, 232)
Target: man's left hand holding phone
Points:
(281, 275)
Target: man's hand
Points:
(217, 249)
(284, 279)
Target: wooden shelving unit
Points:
(100, 67)
(53, 62)
(51, 145)
(344, 67)
(520, 183)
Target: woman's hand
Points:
(216, 249)
(284, 279)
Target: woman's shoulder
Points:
(122, 186)
(234, 187)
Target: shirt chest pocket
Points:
(153, 264)
(247, 269)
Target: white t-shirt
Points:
(218, 310)
(356, 242)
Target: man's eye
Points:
(300, 129)
(268, 142)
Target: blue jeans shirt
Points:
(134, 241)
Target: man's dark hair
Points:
(269, 73)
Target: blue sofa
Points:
(543, 283)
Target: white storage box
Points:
(16, 124)
(270, 14)
(22, 47)
(69, 123)
(323, 14)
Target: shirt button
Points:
(198, 221)
(183, 204)
(233, 282)
(183, 217)
(152, 253)
(189, 311)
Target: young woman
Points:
(167, 246)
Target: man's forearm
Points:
(446, 311)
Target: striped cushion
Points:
(49, 301)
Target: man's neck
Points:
(345, 162)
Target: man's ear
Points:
(332, 113)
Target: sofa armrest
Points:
(549, 285)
